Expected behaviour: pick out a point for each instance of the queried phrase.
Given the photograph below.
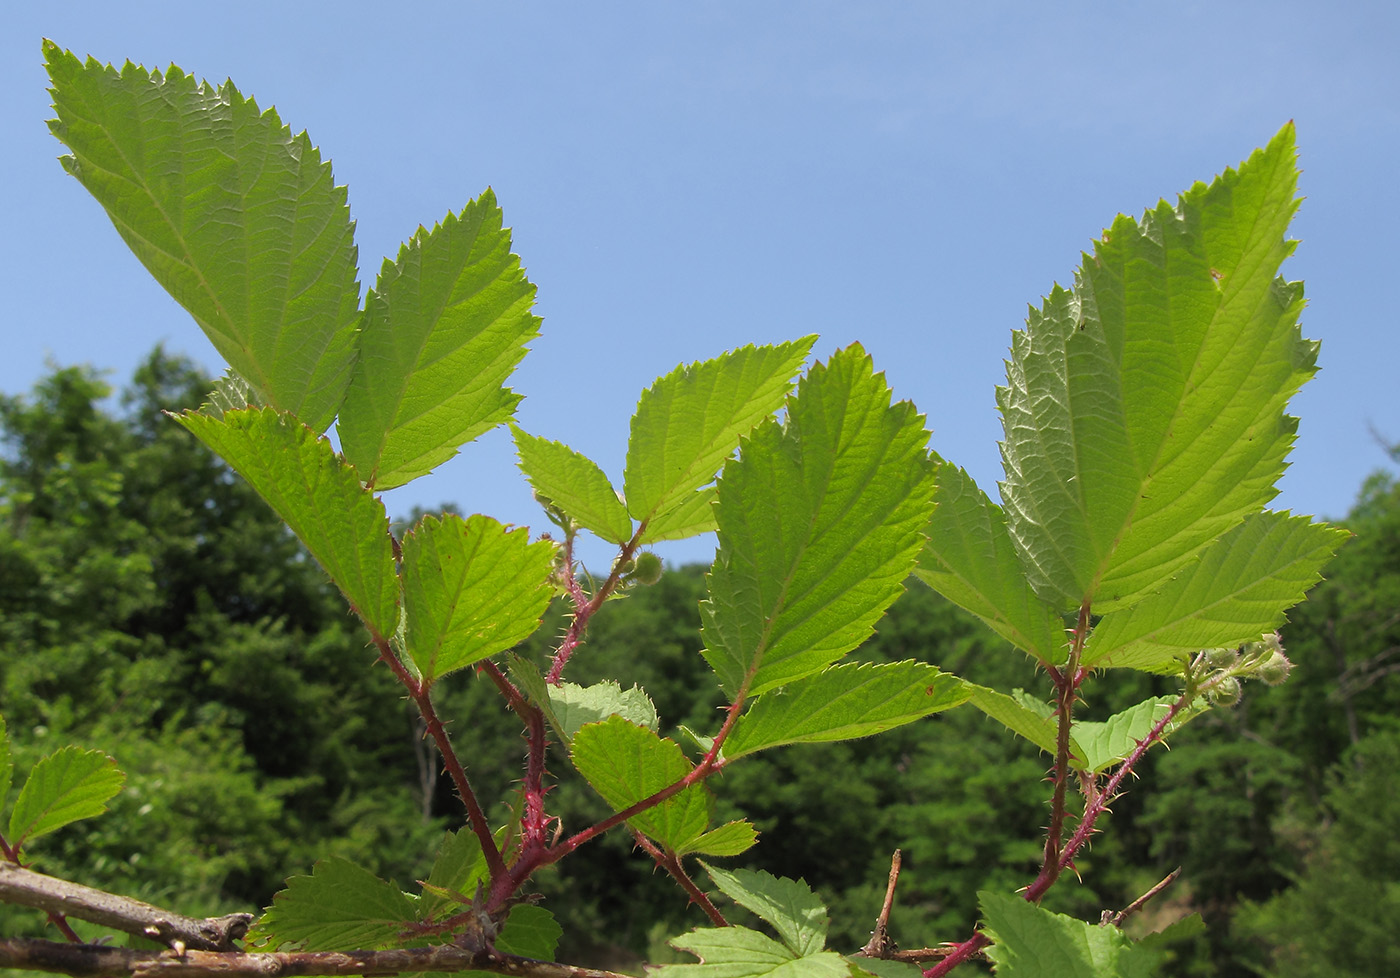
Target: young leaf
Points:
(1030, 942)
(1144, 411)
(339, 907)
(319, 496)
(689, 422)
(738, 952)
(575, 484)
(471, 588)
(460, 864)
(1238, 589)
(820, 522)
(970, 560)
(795, 912)
(626, 763)
(238, 219)
(67, 785)
(729, 839)
(530, 932)
(7, 765)
(573, 706)
(444, 327)
(845, 702)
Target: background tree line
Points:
(153, 607)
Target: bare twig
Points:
(30, 889)
(880, 945)
(91, 961)
(1116, 919)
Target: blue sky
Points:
(685, 178)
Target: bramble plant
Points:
(1144, 434)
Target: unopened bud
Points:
(1274, 669)
(1224, 693)
(647, 570)
(1221, 658)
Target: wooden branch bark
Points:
(91, 960)
(30, 889)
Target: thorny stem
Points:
(585, 607)
(421, 694)
(535, 819)
(670, 862)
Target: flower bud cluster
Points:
(1217, 672)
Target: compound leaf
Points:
(237, 218)
(1240, 588)
(689, 422)
(970, 560)
(444, 327)
(820, 521)
(1143, 411)
(738, 952)
(471, 588)
(626, 763)
(339, 907)
(67, 785)
(575, 484)
(796, 913)
(845, 702)
(319, 496)
(1030, 942)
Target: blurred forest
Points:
(153, 607)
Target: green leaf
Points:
(1019, 715)
(1239, 589)
(530, 932)
(626, 763)
(1144, 411)
(67, 785)
(729, 839)
(971, 561)
(845, 702)
(575, 484)
(319, 496)
(1029, 942)
(882, 967)
(1103, 744)
(689, 422)
(472, 588)
(738, 952)
(7, 765)
(820, 522)
(444, 328)
(795, 912)
(460, 864)
(573, 706)
(237, 218)
(339, 907)
(231, 393)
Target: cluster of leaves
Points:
(1145, 429)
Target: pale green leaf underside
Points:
(237, 218)
(339, 907)
(971, 561)
(790, 906)
(1240, 588)
(738, 952)
(67, 785)
(845, 702)
(319, 496)
(1031, 942)
(575, 484)
(820, 521)
(1100, 745)
(574, 706)
(444, 328)
(689, 422)
(1143, 412)
(729, 839)
(1020, 714)
(471, 588)
(626, 763)
(231, 393)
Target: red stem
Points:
(585, 608)
(670, 862)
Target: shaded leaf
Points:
(575, 484)
(845, 702)
(339, 907)
(790, 906)
(573, 706)
(67, 785)
(1030, 942)
(460, 864)
(1020, 715)
(237, 218)
(444, 327)
(531, 932)
(1102, 744)
(472, 588)
(820, 521)
(689, 422)
(319, 496)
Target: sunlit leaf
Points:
(339, 907)
(796, 913)
(67, 785)
(1031, 942)
(575, 484)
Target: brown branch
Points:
(880, 945)
(59, 897)
(1117, 919)
(91, 961)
